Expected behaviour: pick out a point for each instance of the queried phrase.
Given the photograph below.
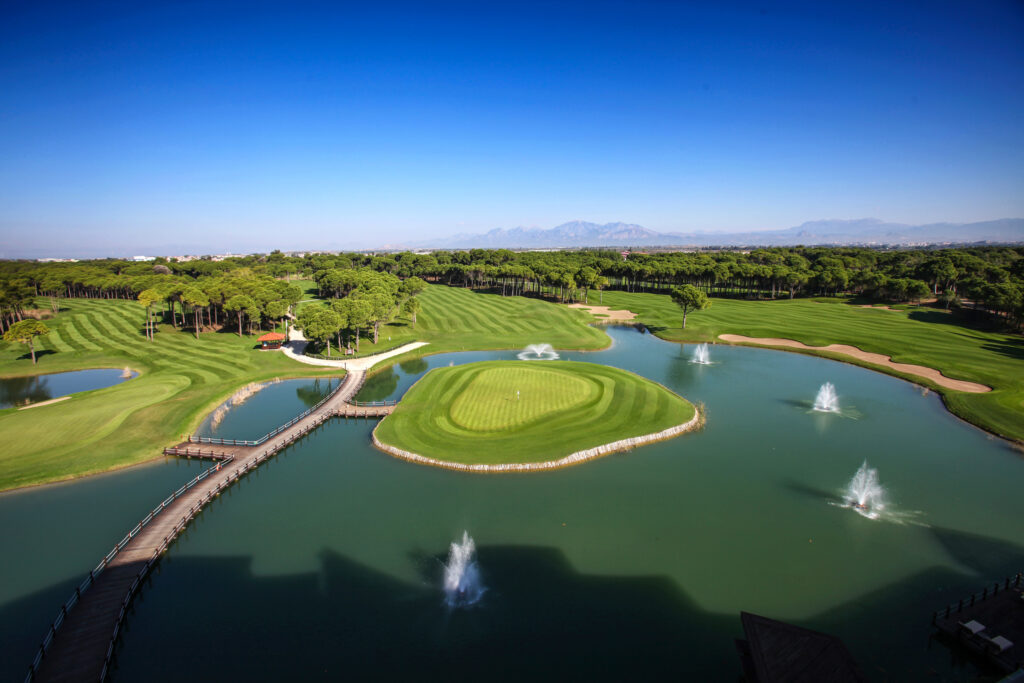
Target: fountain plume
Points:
(701, 355)
(538, 352)
(826, 401)
(462, 586)
(864, 494)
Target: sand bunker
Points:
(607, 313)
(874, 358)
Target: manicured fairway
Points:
(458, 319)
(921, 336)
(472, 414)
(183, 378)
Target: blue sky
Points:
(255, 125)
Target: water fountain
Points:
(701, 355)
(826, 401)
(864, 494)
(462, 586)
(538, 352)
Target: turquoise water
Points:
(326, 563)
(19, 391)
(269, 407)
(51, 536)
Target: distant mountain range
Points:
(864, 231)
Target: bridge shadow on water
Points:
(209, 619)
(206, 619)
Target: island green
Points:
(505, 412)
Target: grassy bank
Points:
(500, 412)
(183, 378)
(922, 336)
(180, 380)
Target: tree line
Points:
(255, 291)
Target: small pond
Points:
(22, 391)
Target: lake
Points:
(21, 391)
(327, 561)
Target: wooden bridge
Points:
(80, 643)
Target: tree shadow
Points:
(1013, 349)
(40, 353)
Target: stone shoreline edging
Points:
(867, 357)
(569, 460)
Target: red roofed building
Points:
(271, 340)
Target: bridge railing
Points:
(91, 578)
(197, 453)
(108, 558)
(981, 596)
(374, 404)
(192, 438)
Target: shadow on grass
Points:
(40, 353)
(1013, 349)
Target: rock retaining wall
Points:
(567, 461)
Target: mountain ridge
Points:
(830, 232)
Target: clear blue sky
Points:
(300, 125)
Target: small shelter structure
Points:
(271, 340)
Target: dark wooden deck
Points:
(1000, 609)
(80, 644)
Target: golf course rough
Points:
(520, 415)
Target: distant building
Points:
(143, 258)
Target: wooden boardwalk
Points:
(80, 644)
(985, 622)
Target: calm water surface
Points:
(51, 536)
(19, 391)
(250, 417)
(327, 562)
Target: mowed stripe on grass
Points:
(508, 396)
(431, 418)
(181, 379)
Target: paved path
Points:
(296, 345)
(83, 644)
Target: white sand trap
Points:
(607, 313)
(873, 358)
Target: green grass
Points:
(180, 380)
(512, 395)
(922, 336)
(458, 319)
(470, 413)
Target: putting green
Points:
(508, 412)
(509, 396)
